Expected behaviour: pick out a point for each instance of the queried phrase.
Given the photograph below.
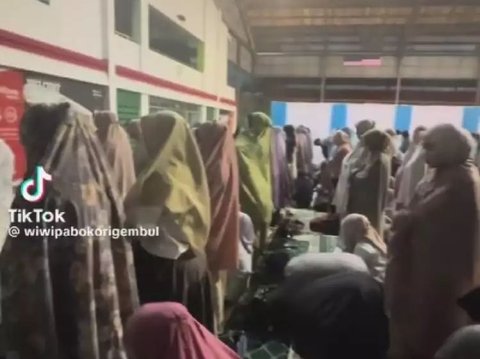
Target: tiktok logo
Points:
(33, 189)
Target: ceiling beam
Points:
(431, 29)
(246, 24)
(292, 4)
(364, 11)
(320, 22)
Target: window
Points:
(128, 105)
(169, 39)
(211, 114)
(127, 19)
(232, 49)
(190, 112)
(245, 59)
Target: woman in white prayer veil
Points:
(412, 171)
(7, 168)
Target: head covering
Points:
(418, 135)
(319, 265)
(49, 285)
(446, 145)
(217, 148)
(340, 138)
(391, 132)
(364, 126)
(356, 228)
(339, 316)
(280, 174)
(376, 141)
(253, 149)
(175, 184)
(343, 148)
(116, 144)
(167, 330)
(463, 344)
(416, 142)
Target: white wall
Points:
(320, 117)
(71, 24)
(82, 26)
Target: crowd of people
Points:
(408, 251)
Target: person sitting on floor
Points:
(359, 237)
(168, 330)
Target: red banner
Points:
(12, 106)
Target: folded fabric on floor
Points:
(321, 265)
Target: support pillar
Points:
(477, 95)
(398, 87)
(323, 72)
(144, 104)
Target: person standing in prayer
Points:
(280, 175)
(62, 297)
(304, 150)
(118, 150)
(217, 147)
(434, 250)
(291, 144)
(119, 156)
(253, 150)
(397, 155)
(343, 149)
(412, 171)
(360, 238)
(172, 194)
(340, 199)
(369, 179)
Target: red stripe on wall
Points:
(228, 101)
(156, 81)
(19, 42)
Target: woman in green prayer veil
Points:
(253, 148)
